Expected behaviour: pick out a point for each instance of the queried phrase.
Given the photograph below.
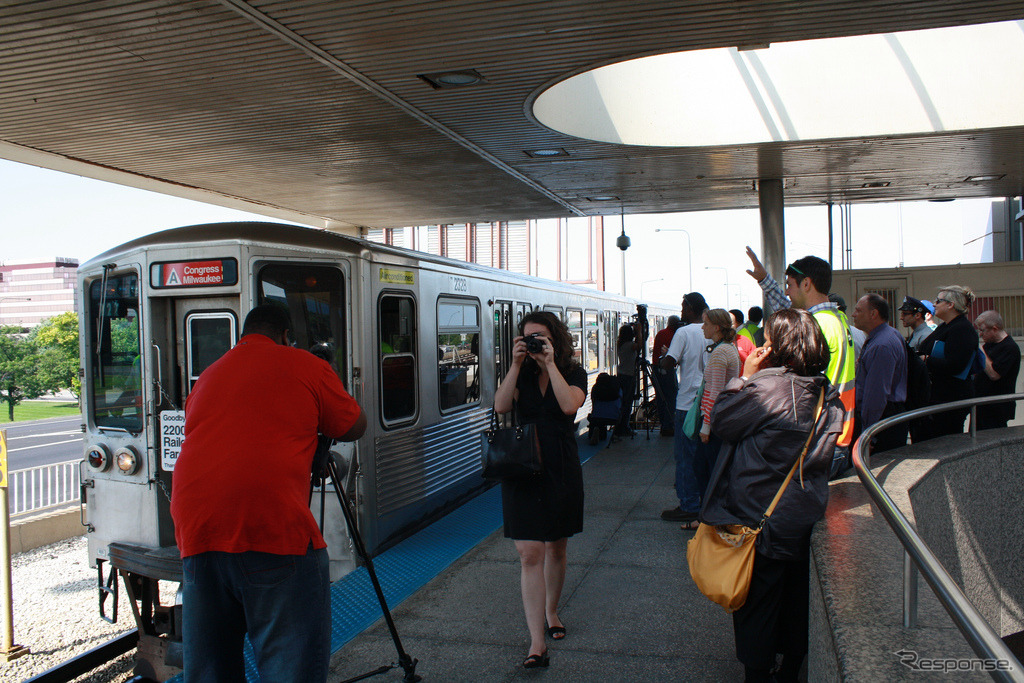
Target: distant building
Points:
(32, 291)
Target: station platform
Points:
(631, 611)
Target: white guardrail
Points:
(40, 488)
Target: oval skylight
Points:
(891, 84)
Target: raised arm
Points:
(506, 393)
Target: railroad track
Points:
(90, 660)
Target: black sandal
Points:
(556, 632)
(537, 661)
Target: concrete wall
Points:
(45, 529)
(965, 497)
(968, 508)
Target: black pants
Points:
(994, 416)
(941, 424)
(895, 436)
(628, 385)
(774, 618)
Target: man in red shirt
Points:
(668, 385)
(253, 558)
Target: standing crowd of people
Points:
(744, 397)
(744, 402)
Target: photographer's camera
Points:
(534, 343)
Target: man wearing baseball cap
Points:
(912, 313)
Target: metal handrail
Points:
(985, 642)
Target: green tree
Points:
(58, 358)
(19, 376)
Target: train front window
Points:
(458, 352)
(116, 395)
(315, 298)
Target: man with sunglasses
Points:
(808, 282)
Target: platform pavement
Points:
(630, 608)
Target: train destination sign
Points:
(208, 273)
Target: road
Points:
(43, 442)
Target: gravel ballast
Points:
(56, 613)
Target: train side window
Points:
(396, 325)
(315, 297)
(591, 333)
(116, 360)
(557, 310)
(611, 334)
(574, 321)
(458, 352)
(208, 336)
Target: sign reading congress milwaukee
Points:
(194, 273)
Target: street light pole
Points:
(646, 282)
(689, 251)
(724, 270)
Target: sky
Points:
(46, 214)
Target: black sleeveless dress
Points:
(548, 506)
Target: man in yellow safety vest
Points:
(808, 281)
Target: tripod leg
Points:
(407, 663)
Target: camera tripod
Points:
(643, 411)
(325, 464)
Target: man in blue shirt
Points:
(881, 378)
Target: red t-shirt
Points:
(744, 346)
(663, 338)
(242, 480)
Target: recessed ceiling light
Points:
(983, 178)
(452, 79)
(541, 153)
(877, 183)
(603, 198)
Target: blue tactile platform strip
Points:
(407, 567)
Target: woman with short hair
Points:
(765, 417)
(542, 511)
(949, 352)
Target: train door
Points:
(208, 328)
(318, 300)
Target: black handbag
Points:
(509, 453)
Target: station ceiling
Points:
(316, 110)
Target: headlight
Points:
(98, 457)
(127, 459)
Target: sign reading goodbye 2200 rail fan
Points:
(209, 273)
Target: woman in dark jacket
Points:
(543, 511)
(765, 417)
(949, 352)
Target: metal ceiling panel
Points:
(315, 106)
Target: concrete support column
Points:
(773, 231)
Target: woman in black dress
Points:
(543, 511)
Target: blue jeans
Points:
(668, 387)
(684, 450)
(281, 601)
(704, 462)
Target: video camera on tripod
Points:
(643, 408)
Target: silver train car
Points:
(421, 342)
